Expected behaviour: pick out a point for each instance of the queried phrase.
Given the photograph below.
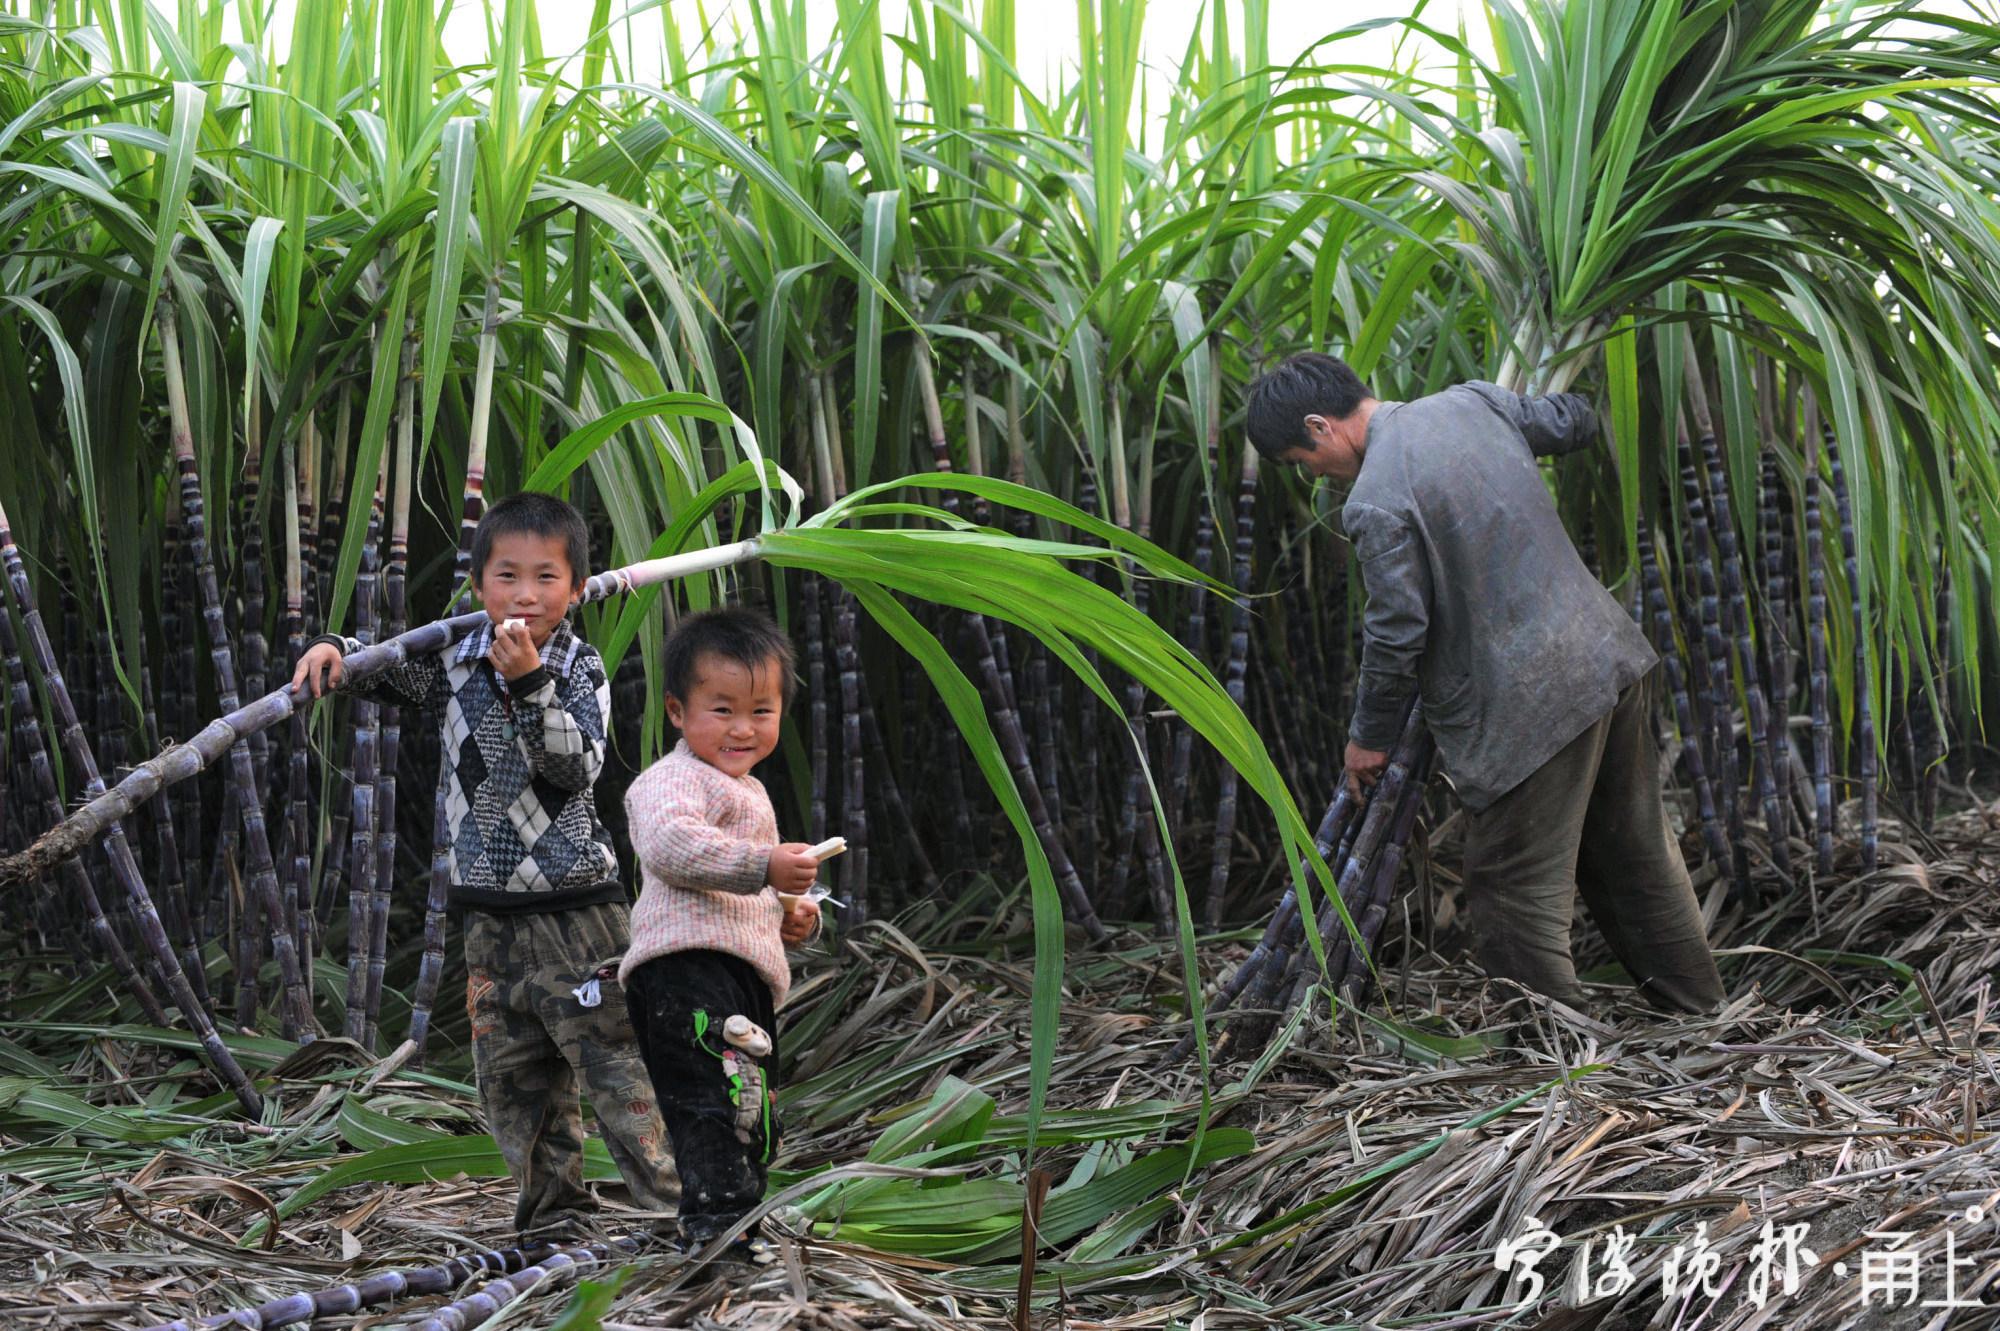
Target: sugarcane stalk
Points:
(809, 594)
(297, 841)
(255, 650)
(333, 865)
(181, 761)
(1373, 834)
(295, 1014)
(1721, 698)
(1048, 766)
(1356, 970)
(176, 905)
(1747, 660)
(1864, 716)
(390, 714)
(1816, 653)
(124, 865)
(1765, 774)
(1090, 787)
(380, 1288)
(1007, 721)
(76, 884)
(892, 798)
(1903, 733)
(364, 720)
(1777, 599)
(436, 899)
(1233, 683)
(1938, 737)
(1684, 715)
(847, 658)
(1181, 760)
(473, 505)
(1333, 826)
(554, 1270)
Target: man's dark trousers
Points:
(1591, 818)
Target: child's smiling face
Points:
(731, 713)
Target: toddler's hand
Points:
(321, 667)
(799, 922)
(792, 870)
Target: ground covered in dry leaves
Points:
(1847, 1087)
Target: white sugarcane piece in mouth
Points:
(513, 624)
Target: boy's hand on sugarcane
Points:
(513, 651)
(1364, 768)
(800, 922)
(792, 869)
(321, 668)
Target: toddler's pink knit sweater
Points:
(704, 842)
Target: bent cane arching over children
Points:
(840, 665)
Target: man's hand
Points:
(1364, 768)
(320, 668)
(799, 922)
(792, 871)
(513, 651)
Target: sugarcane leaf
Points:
(457, 163)
(176, 170)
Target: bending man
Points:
(1536, 684)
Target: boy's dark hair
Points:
(533, 514)
(1308, 384)
(750, 638)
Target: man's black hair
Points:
(1308, 384)
(750, 638)
(533, 514)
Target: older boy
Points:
(522, 704)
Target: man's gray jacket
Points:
(1477, 599)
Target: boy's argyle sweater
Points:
(518, 764)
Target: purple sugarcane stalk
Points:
(1864, 716)
(1721, 697)
(1331, 833)
(365, 722)
(295, 1014)
(1356, 971)
(1378, 830)
(1745, 650)
(1816, 653)
(124, 865)
(173, 898)
(390, 714)
(555, 1270)
(212, 744)
(999, 696)
(76, 883)
(380, 1288)
(1777, 599)
(1233, 684)
(1684, 714)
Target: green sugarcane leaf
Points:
(457, 163)
(259, 246)
(176, 170)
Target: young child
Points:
(706, 972)
(522, 705)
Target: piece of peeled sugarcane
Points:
(824, 851)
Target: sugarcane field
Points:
(849, 664)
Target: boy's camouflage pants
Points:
(534, 1044)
